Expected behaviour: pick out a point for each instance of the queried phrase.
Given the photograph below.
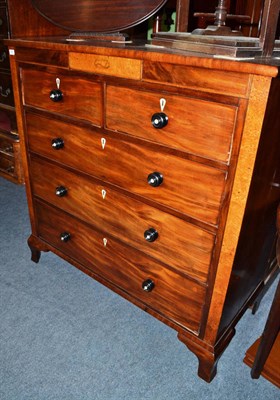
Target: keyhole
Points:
(103, 143)
(162, 103)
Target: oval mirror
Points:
(97, 15)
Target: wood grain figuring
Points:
(192, 195)
(143, 53)
(82, 100)
(181, 245)
(176, 297)
(18, 163)
(251, 134)
(58, 58)
(195, 126)
(215, 107)
(215, 80)
(106, 65)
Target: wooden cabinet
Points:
(10, 157)
(140, 169)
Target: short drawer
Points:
(4, 57)
(196, 126)
(188, 187)
(174, 297)
(4, 27)
(6, 89)
(177, 243)
(81, 98)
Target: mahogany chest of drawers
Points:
(148, 171)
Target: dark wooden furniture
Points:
(264, 355)
(10, 158)
(218, 39)
(147, 169)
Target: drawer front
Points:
(4, 28)
(99, 64)
(196, 126)
(4, 57)
(173, 296)
(179, 244)
(81, 99)
(209, 80)
(188, 187)
(6, 89)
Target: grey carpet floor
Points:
(64, 336)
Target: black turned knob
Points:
(61, 191)
(150, 235)
(57, 143)
(159, 120)
(56, 95)
(148, 285)
(155, 179)
(65, 236)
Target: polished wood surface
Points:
(190, 253)
(38, 85)
(122, 67)
(198, 78)
(131, 172)
(206, 128)
(199, 208)
(177, 297)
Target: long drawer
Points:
(197, 126)
(173, 296)
(81, 100)
(177, 243)
(189, 187)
